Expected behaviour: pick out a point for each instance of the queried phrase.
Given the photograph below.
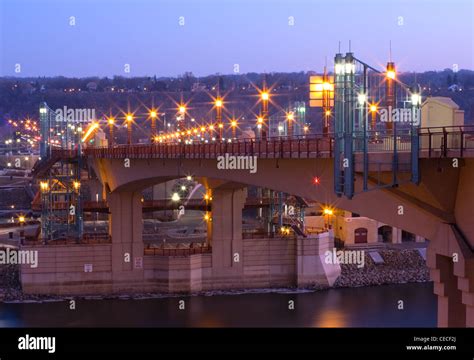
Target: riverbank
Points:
(400, 266)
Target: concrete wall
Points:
(279, 262)
(61, 270)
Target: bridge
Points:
(418, 179)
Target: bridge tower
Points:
(395, 118)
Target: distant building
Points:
(439, 111)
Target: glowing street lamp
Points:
(233, 125)
(390, 91)
(153, 117)
(373, 112)
(129, 119)
(415, 99)
(44, 186)
(76, 185)
(175, 197)
(290, 117)
(219, 104)
(391, 74)
(111, 122)
(328, 212)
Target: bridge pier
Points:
(452, 271)
(125, 228)
(226, 238)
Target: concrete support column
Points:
(451, 311)
(315, 263)
(466, 285)
(126, 228)
(227, 205)
(396, 235)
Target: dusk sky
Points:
(255, 34)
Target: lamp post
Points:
(373, 114)
(390, 91)
(153, 117)
(129, 119)
(328, 212)
(233, 125)
(265, 98)
(259, 126)
(111, 122)
(290, 117)
(219, 105)
(182, 114)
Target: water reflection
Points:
(357, 307)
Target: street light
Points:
(233, 125)
(153, 116)
(415, 99)
(111, 122)
(129, 119)
(218, 103)
(44, 186)
(290, 117)
(328, 212)
(373, 111)
(175, 197)
(391, 74)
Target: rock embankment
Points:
(400, 266)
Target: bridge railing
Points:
(276, 147)
(448, 141)
(434, 141)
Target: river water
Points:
(350, 307)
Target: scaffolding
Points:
(59, 175)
